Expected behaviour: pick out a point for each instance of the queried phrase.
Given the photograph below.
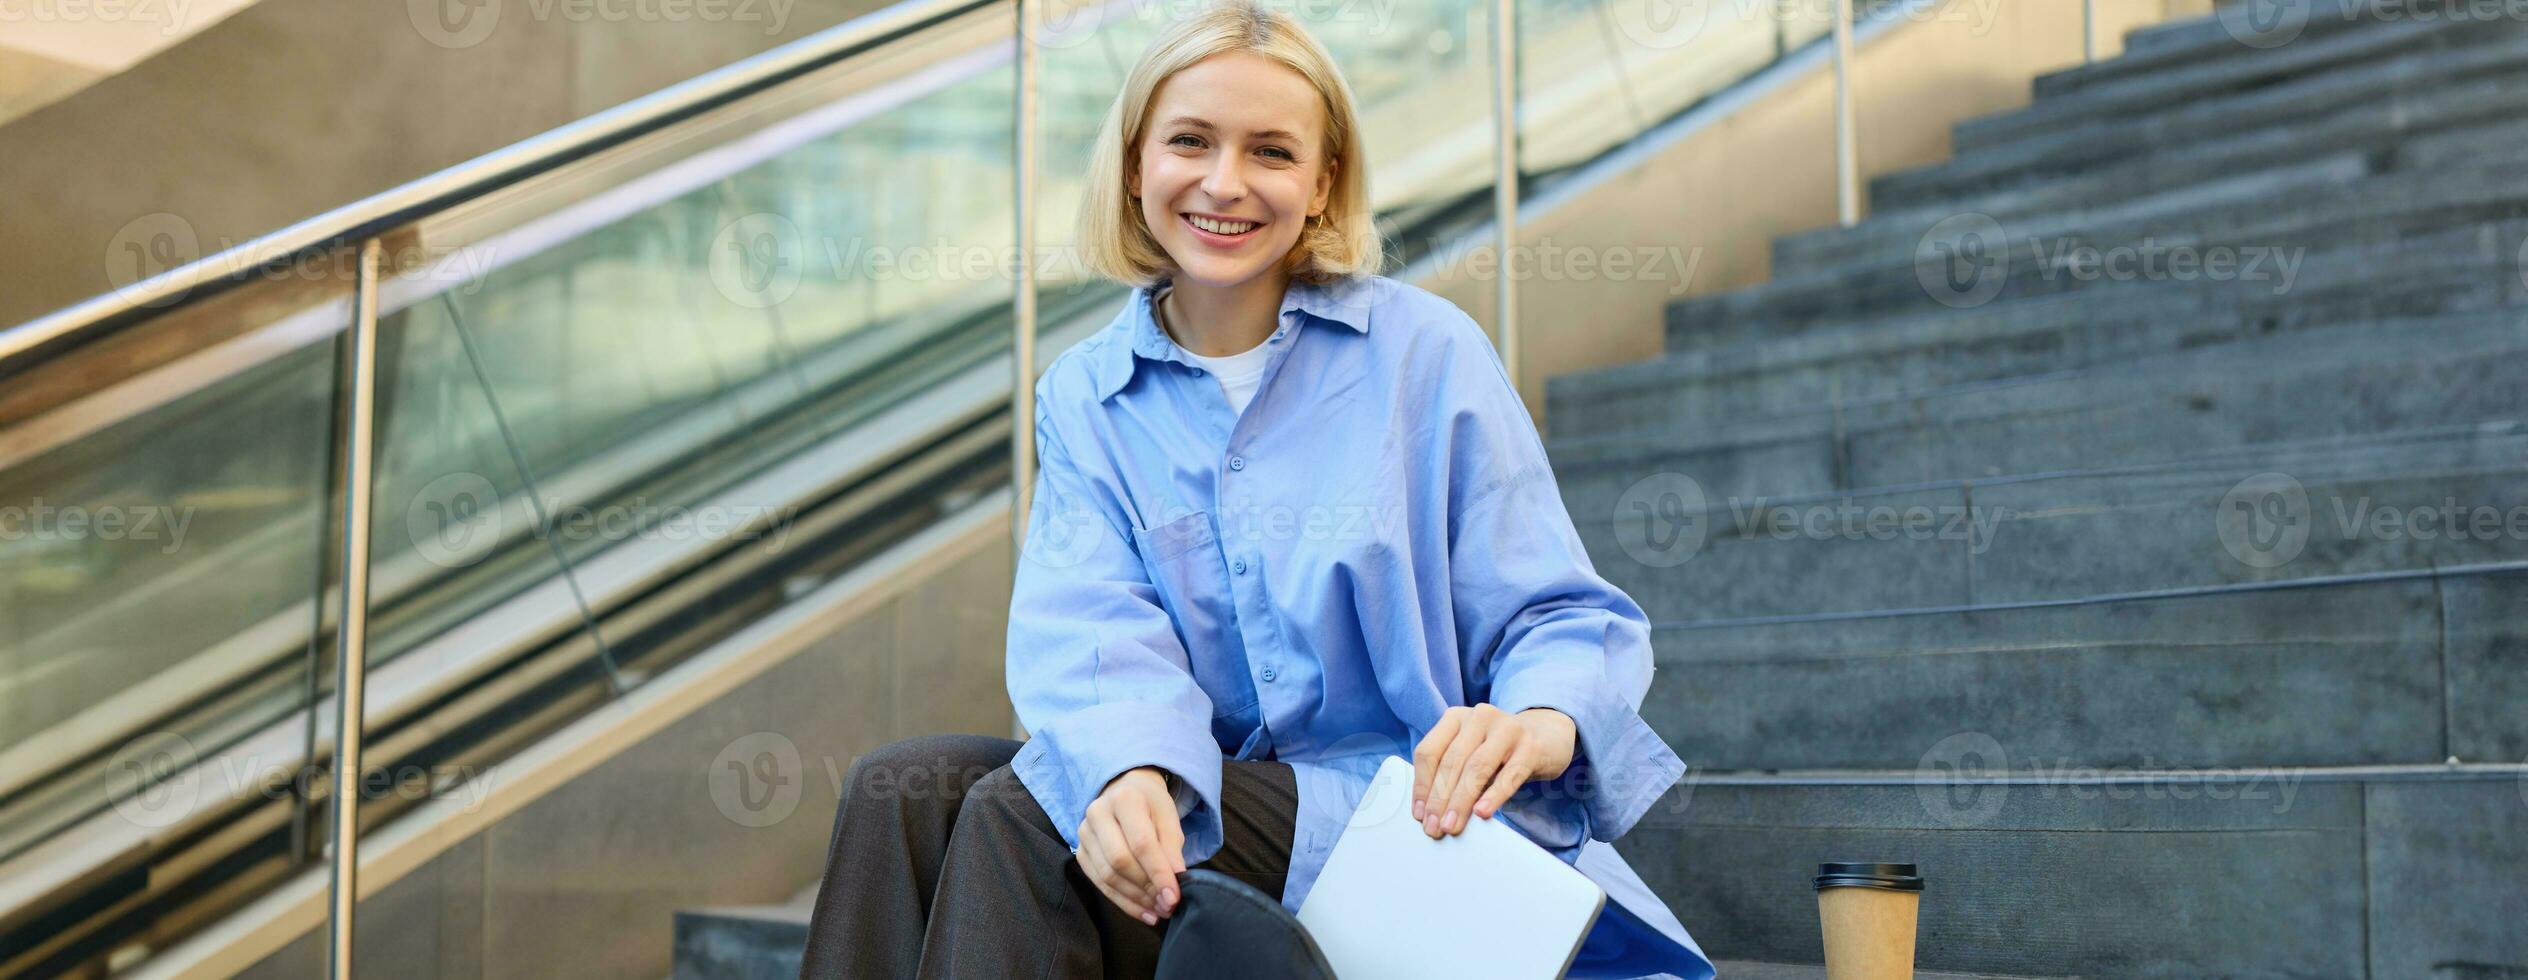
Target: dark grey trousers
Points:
(943, 865)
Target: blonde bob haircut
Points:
(1340, 242)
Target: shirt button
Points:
(1238, 566)
(1237, 462)
(1198, 372)
(1269, 675)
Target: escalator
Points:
(640, 382)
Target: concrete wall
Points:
(584, 880)
(1768, 169)
(293, 107)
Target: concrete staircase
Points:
(2128, 523)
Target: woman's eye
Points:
(1285, 154)
(1178, 139)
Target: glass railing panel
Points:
(166, 498)
(1595, 73)
(655, 360)
(651, 339)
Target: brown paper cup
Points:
(1867, 912)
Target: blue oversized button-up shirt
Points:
(1375, 538)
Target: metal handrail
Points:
(26, 344)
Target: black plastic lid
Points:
(1852, 874)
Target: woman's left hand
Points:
(1476, 757)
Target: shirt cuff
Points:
(1067, 763)
(1619, 766)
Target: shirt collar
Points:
(1345, 302)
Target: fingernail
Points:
(1430, 825)
(1417, 809)
(1167, 897)
(1148, 919)
(1451, 821)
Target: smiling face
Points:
(1231, 164)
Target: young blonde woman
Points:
(1290, 518)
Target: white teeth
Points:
(1220, 227)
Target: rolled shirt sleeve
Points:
(1540, 627)
(1096, 670)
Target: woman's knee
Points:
(927, 768)
(1002, 798)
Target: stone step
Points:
(2411, 501)
(2247, 874)
(2241, 70)
(1972, 261)
(2469, 268)
(2392, 132)
(2381, 671)
(743, 942)
(1752, 970)
(2337, 383)
(2180, 43)
(2172, 133)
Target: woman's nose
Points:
(1225, 183)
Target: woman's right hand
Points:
(1132, 846)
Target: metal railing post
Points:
(1022, 417)
(1505, 176)
(351, 642)
(2089, 31)
(1847, 171)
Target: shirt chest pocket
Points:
(1183, 559)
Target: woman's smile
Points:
(1223, 238)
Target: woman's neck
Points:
(1217, 321)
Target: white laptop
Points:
(1392, 903)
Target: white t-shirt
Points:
(1239, 373)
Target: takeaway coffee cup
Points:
(1867, 911)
